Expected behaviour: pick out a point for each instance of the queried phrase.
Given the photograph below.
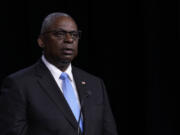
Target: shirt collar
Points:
(56, 71)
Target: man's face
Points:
(60, 47)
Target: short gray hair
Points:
(48, 20)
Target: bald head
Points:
(49, 20)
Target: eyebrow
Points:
(60, 29)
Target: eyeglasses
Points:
(61, 34)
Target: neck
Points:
(61, 65)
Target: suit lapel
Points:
(80, 84)
(84, 95)
(48, 84)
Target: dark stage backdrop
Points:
(131, 45)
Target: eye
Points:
(59, 33)
(74, 34)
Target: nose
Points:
(68, 38)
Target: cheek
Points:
(51, 41)
(54, 45)
(76, 49)
(51, 49)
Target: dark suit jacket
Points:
(32, 104)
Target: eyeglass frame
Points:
(64, 33)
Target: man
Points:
(34, 101)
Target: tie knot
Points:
(63, 76)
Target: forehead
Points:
(63, 22)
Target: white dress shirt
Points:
(56, 73)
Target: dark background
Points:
(131, 45)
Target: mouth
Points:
(67, 51)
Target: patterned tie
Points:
(71, 98)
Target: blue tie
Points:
(71, 98)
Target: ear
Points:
(40, 42)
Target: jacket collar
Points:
(48, 84)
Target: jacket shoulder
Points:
(23, 74)
(84, 74)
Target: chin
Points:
(66, 61)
